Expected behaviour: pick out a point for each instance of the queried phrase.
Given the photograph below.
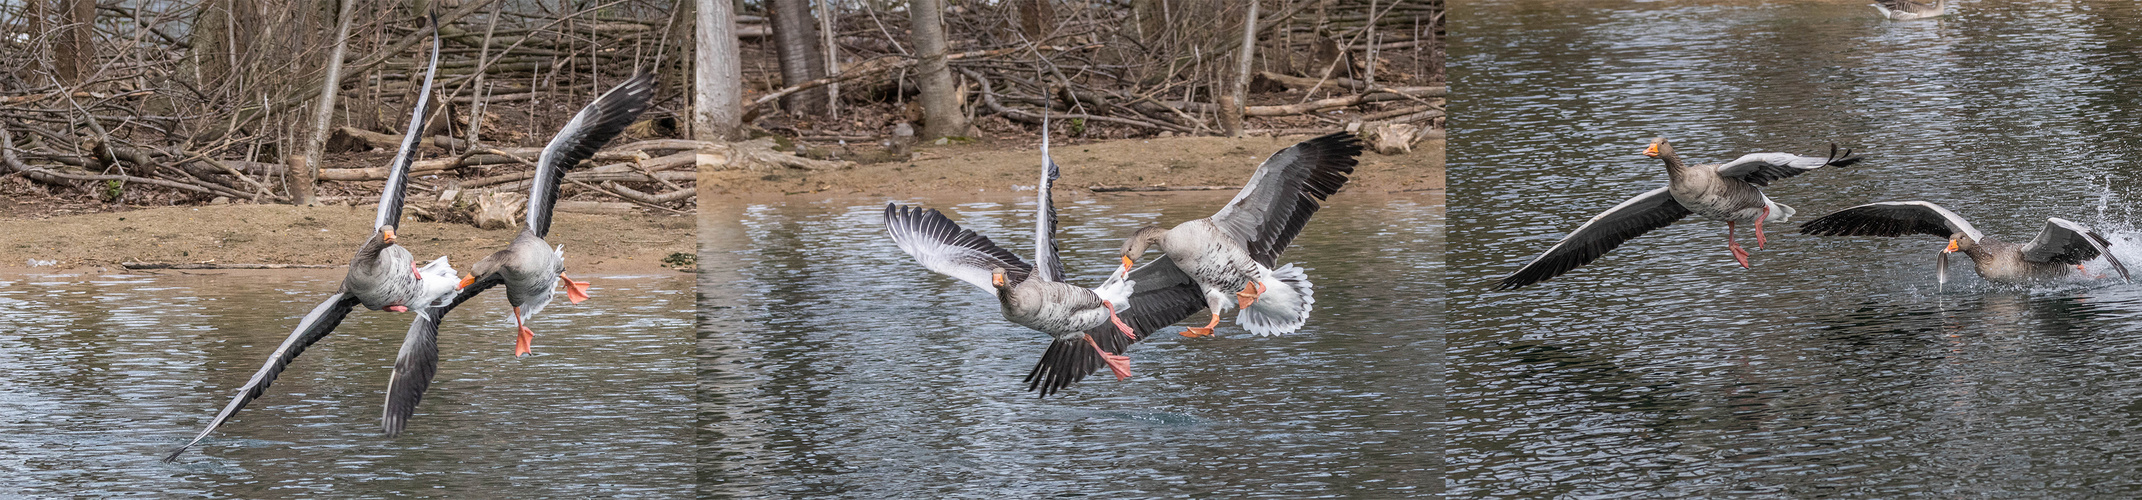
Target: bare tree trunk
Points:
(74, 50)
(1036, 18)
(718, 76)
(302, 190)
(796, 40)
(832, 64)
(1239, 93)
(940, 102)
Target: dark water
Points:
(1836, 366)
(109, 372)
(835, 366)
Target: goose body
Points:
(1234, 253)
(529, 267)
(1728, 192)
(2056, 253)
(382, 275)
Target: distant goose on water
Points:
(383, 275)
(1729, 192)
(1905, 10)
(1235, 251)
(1087, 332)
(2056, 253)
(529, 267)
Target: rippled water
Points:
(836, 366)
(1836, 366)
(107, 373)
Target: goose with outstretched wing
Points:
(529, 267)
(1729, 192)
(382, 276)
(1235, 252)
(1083, 322)
(2058, 251)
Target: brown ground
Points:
(998, 165)
(283, 234)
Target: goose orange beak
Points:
(389, 235)
(1652, 151)
(1951, 248)
(1127, 263)
(466, 281)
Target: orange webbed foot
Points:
(1117, 363)
(1118, 320)
(1196, 332)
(522, 343)
(1248, 295)
(575, 291)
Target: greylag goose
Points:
(1083, 322)
(382, 276)
(2046, 257)
(1234, 252)
(529, 267)
(1906, 10)
(1729, 192)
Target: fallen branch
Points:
(890, 63)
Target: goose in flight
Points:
(1235, 252)
(2056, 253)
(1729, 192)
(1083, 323)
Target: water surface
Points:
(835, 366)
(107, 373)
(1836, 366)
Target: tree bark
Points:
(940, 103)
(302, 194)
(1240, 89)
(718, 76)
(832, 63)
(796, 41)
(74, 49)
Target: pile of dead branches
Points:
(1142, 68)
(168, 102)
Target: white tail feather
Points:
(1117, 291)
(1283, 307)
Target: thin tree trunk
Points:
(309, 170)
(832, 64)
(74, 51)
(1240, 90)
(796, 41)
(940, 105)
(718, 76)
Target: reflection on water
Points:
(833, 365)
(106, 373)
(1836, 366)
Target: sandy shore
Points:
(283, 234)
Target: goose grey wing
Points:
(942, 246)
(1892, 218)
(316, 325)
(1161, 295)
(589, 130)
(418, 361)
(1046, 264)
(1285, 191)
(1642, 214)
(2066, 242)
(391, 197)
(1761, 168)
